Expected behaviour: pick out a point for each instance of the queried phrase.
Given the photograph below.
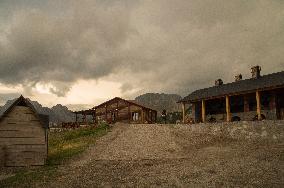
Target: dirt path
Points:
(166, 156)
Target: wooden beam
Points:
(142, 115)
(183, 112)
(156, 116)
(193, 111)
(228, 108)
(258, 105)
(116, 110)
(87, 112)
(129, 115)
(203, 111)
(109, 109)
(150, 116)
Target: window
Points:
(135, 116)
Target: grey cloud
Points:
(40, 47)
(159, 46)
(7, 96)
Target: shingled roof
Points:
(253, 84)
(128, 101)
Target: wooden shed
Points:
(23, 135)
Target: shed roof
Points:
(128, 101)
(44, 119)
(273, 80)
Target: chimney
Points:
(255, 72)
(238, 77)
(218, 82)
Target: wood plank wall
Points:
(22, 138)
(123, 113)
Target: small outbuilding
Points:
(23, 135)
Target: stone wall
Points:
(267, 129)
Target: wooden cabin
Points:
(120, 110)
(257, 98)
(23, 135)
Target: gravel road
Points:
(173, 156)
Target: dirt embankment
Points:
(244, 154)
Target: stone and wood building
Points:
(119, 110)
(257, 98)
(23, 135)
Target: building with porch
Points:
(257, 98)
(119, 110)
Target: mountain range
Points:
(160, 101)
(57, 114)
(60, 113)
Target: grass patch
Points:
(62, 146)
(30, 177)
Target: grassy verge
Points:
(62, 146)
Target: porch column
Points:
(129, 115)
(193, 112)
(203, 111)
(183, 112)
(228, 108)
(258, 105)
(142, 116)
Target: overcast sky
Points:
(80, 53)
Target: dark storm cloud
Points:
(164, 46)
(40, 46)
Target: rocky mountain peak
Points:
(160, 101)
